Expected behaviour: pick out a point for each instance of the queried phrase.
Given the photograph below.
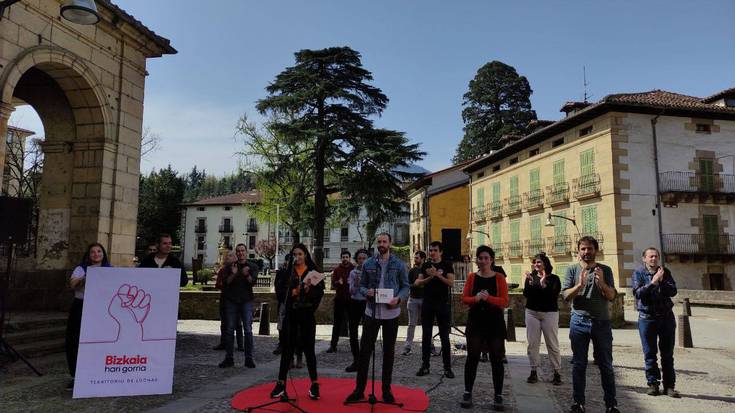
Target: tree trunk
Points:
(320, 201)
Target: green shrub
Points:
(402, 252)
(205, 275)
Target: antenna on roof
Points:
(585, 84)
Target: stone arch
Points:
(79, 149)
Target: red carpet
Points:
(333, 393)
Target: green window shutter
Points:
(496, 191)
(706, 175)
(560, 270)
(480, 236)
(536, 228)
(497, 235)
(514, 185)
(587, 162)
(515, 230)
(589, 220)
(560, 225)
(711, 228)
(559, 172)
(534, 178)
(480, 197)
(515, 273)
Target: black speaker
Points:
(15, 218)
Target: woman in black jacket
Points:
(541, 289)
(302, 300)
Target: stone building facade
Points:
(634, 170)
(87, 83)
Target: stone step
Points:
(36, 335)
(41, 348)
(20, 321)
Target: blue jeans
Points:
(663, 330)
(234, 314)
(581, 331)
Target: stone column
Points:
(5, 111)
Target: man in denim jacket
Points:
(382, 271)
(653, 287)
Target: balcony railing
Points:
(596, 235)
(226, 228)
(587, 186)
(691, 182)
(699, 244)
(494, 210)
(513, 205)
(534, 246)
(252, 227)
(559, 246)
(478, 213)
(533, 200)
(557, 194)
(200, 228)
(514, 249)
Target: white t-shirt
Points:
(79, 273)
(159, 261)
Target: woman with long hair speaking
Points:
(305, 291)
(96, 256)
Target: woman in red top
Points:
(486, 293)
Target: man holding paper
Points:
(384, 282)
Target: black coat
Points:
(171, 262)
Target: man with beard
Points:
(385, 271)
(163, 258)
(590, 287)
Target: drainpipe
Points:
(654, 120)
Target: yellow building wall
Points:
(449, 209)
(600, 141)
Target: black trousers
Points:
(73, 329)
(477, 343)
(442, 313)
(300, 331)
(340, 317)
(356, 311)
(370, 329)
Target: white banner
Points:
(128, 337)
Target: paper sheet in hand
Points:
(384, 295)
(313, 278)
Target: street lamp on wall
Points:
(550, 223)
(76, 11)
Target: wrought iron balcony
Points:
(499, 251)
(514, 249)
(534, 246)
(678, 187)
(513, 205)
(533, 200)
(559, 246)
(252, 227)
(699, 245)
(557, 194)
(494, 210)
(226, 228)
(478, 213)
(587, 186)
(596, 235)
(200, 228)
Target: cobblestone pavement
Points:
(706, 375)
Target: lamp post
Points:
(550, 223)
(76, 11)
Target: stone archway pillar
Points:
(5, 111)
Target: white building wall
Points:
(677, 148)
(214, 216)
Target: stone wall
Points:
(205, 305)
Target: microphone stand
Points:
(284, 397)
(372, 400)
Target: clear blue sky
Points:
(422, 55)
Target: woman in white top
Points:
(96, 256)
